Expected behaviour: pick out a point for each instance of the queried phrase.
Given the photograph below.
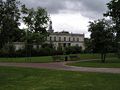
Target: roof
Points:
(66, 33)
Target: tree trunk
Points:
(103, 57)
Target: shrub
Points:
(8, 51)
(74, 57)
(73, 50)
(58, 58)
(118, 54)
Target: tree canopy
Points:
(101, 37)
(114, 13)
(9, 21)
(37, 22)
(12, 13)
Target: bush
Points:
(118, 54)
(74, 57)
(58, 58)
(73, 50)
(7, 51)
(59, 51)
(45, 50)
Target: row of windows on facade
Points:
(64, 39)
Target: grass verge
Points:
(110, 63)
(45, 59)
(12, 78)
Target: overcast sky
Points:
(71, 15)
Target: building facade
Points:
(65, 39)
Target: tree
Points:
(88, 48)
(37, 22)
(9, 21)
(114, 13)
(101, 37)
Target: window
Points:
(54, 38)
(73, 39)
(78, 39)
(69, 44)
(64, 38)
(50, 38)
(77, 45)
(69, 39)
(64, 44)
(59, 38)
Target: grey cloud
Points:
(88, 8)
(95, 5)
(96, 8)
(52, 6)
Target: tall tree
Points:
(87, 43)
(9, 21)
(101, 37)
(114, 13)
(37, 22)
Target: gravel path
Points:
(62, 66)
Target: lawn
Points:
(94, 56)
(110, 63)
(12, 78)
(44, 59)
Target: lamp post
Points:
(26, 44)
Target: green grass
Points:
(94, 56)
(45, 59)
(28, 59)
(12, 78)
(89, 56)
(110, 63)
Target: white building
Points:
(65, 39)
